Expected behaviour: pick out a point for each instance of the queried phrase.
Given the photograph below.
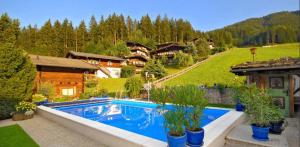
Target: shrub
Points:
(38, 98)
(101, 93)
(47, 89)
(155, 68)
(258, 105)
(91, 83)
(127, 71)
(133, 86)
(17, 75)
(183, 60)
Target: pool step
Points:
(241, 136)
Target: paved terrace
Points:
(47, 133)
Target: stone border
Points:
(215, 132)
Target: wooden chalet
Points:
(281, 76)
(168, 50)
(66, 75)
(109, 66)
(139, 55)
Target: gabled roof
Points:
(282, 64)
(96, 56)
(60, 62)
(168, 47)
(132, 43)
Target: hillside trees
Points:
(56, 37)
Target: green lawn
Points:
(216, 69)
(112, 85)
(15, 136)
(171, 70)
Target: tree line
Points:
(281, 27)
(106, 36)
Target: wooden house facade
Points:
(109, 66)
(281, 76)
(168, 50)
(66, 75)
(139, 55)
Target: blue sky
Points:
(203, 14)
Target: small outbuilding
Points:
(281, 76)
(66, 75)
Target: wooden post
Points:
(291, 94)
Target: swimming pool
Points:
(138, 117)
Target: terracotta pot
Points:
(21, 116)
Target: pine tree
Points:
(81, 36)
(17, 73)
(93, 32)
(157, 27)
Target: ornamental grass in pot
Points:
(192, 98)
(259, 107)
(277, 120)
(173, 116)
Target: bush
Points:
(17, 75)
(155, 68)
(7, 106)
(133, 86)
(183, 60)
(38, 98)
(258, 105)
(91, 83)
(127, 71)
(47, 89)
(217, 50)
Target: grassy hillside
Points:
(216, 69)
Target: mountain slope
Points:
(280, 27)
(217, 69)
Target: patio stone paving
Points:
(47, 133)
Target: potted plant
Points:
(24, 110)
(259, 107)
(237, 91)
(174, 125)
(277, 120)
(194, 102)
(173, 118)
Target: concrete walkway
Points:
(241, 136)
(47, 133)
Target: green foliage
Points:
(133, 87)
(154, 67)
(188, 100)
(217, 69)
(17, 73)
(47, 89)
(183, 60)
(281, 27)
(38, 98)
(90, 83)
(193, 99)
(174, 120)
(7, 106)
(127, 71)
(25, 106)
(61, 99)
(258, 104)
(276, 114)
(15, 136)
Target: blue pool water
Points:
(138, 117)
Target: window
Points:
(109, 63)
(68, 92)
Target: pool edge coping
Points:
(214, 130)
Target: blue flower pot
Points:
(260, 133)
(195, 138)
(176, 141)
(240, 107)
(276, 127)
